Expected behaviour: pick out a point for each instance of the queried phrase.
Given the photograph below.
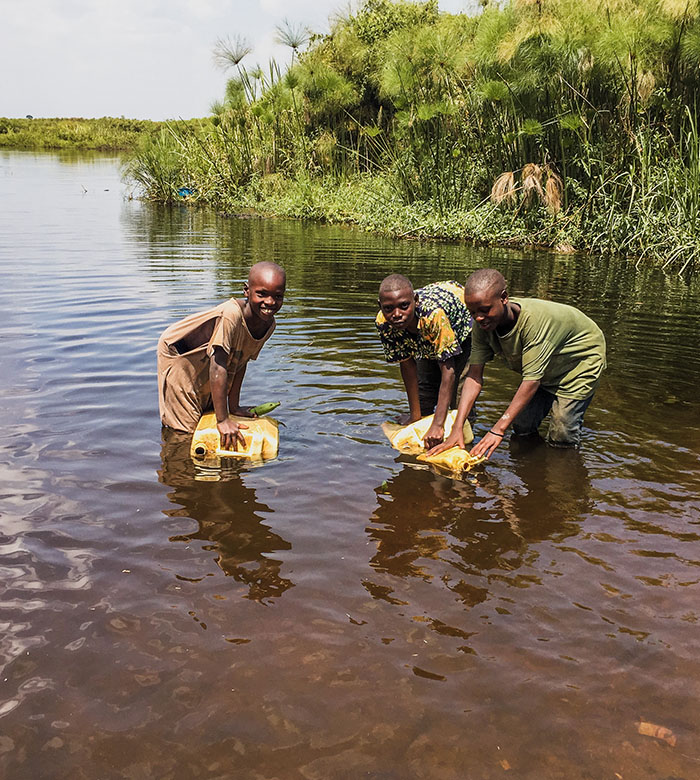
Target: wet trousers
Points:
(565, 421)
(429, 377)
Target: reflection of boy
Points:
(557, 349)
(202, 359)
(428, 333)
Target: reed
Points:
(158, 166)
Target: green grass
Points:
(107, 133)
(649, 211)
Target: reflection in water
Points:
(464, 532)
(530, 614)
(228, 515)
(553, 491)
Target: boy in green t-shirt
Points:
(559, 352)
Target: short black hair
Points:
(484, 280)
(395, 282)
(267, 266)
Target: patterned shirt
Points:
(444, 325)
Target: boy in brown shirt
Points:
(202, 359)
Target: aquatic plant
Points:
(158, 165)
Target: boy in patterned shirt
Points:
(428, 332)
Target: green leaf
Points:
(531, 127)
(427, 111)
(570, 122)
(494, 90)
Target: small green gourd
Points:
(262, 409)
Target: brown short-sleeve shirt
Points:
(184, 392)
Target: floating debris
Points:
(660, 732)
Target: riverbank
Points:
(372, 204)
(546, 124)
(369, 203)
(105, 134)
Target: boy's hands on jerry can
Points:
(455, 439)
(230, 434)
(434, 435)
(485, 448)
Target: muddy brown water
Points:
(339, 612)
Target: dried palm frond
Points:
(324, 148)
(532, 184)
(504, 190)
(553, 190)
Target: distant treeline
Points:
(560, 123)
(107, 133)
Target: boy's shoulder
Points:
(440, 295)
(558, 322)
(542, 309)
(231, 309)
(448, 287)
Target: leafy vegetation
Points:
(550, 122)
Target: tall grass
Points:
(547, 121)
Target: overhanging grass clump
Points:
(559, 123)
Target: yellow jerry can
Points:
(409, 440)
(456, 459)
(261, 439)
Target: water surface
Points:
(339, 612)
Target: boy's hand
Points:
(406, 419)
(455, 439)
(243, 411)
(435, 434)
(486, 446)
(231, 435)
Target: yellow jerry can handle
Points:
(253, 446)
(261, 439)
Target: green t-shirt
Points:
(552, 342)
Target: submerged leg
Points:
(566, 422)
(528, 421)
(428, 384)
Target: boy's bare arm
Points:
(234, 394)
(470, 392)
(436, 432)
(523, 396)
(409, 374)
(218, 376)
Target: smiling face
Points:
(399, 307)
(265, 291)
(489, 307)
